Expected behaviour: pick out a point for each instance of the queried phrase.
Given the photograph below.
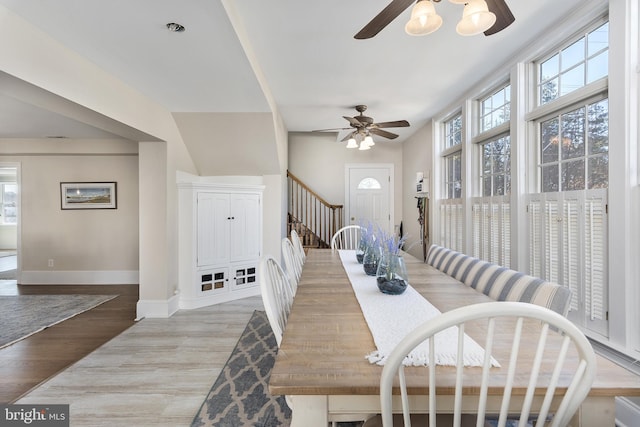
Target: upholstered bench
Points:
(499, 283)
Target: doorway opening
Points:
(9, 221)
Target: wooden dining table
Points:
(321, 364)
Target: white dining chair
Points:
(347, 237)
(292, 263)
(504, 321)
(297, 244)
(277, 295)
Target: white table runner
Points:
(392, 317)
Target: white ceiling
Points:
(313, 67)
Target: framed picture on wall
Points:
(88, 195)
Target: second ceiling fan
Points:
(362, 127)
(503, 15)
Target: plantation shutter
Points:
(571, 248)
(535, 235)
(552, 238)
(491, 229)
(596, 254)
(476, 228)
(505, 223)
(495, 232)
(451, 224)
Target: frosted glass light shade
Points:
(351, 143)
(476, 18)
(369, 141)
(424, 19)
(364, 146)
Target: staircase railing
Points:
(313, 218)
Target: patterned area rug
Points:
(24, 315)
(240, 395)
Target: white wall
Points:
(416, 157)
(230, 143)
(101, 242)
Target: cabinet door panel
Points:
(213, 228)
(245, 226)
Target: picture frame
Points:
(88, 195)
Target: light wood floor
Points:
(155, 373)
(29, 362)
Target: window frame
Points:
(536, 165)
(557, 50)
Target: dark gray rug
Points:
(24, 315)
(240, 395)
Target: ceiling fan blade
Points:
(396, 124)
(331, 130)
(504, 17)
(384, 18)
(354, 122)
(383, 133)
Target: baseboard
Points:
(157, 309)
(191, 303)
(108, 277)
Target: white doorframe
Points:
(347, 196)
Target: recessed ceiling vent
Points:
(175, 28)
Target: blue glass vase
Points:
(371, 259)
(392, 275)
(362, 247)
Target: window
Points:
(495, 172)
(453, 179)
(495, 109)
(9, 193)
(574, 149)
(567, 213)
(453, 132)
(451, 212)
(491, 208)
(369, 184)
(582, 62)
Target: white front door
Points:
(369, 195)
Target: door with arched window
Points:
(369, 195)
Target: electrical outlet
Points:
(50, 263)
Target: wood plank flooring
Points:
(33, 360)
(155, 373)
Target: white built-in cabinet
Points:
(220, 242)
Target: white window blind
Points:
(568, 245)
(491, 229)
(571, 249)
(451, 220)
(595, 257)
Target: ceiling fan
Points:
(363, 126)
(503, 15)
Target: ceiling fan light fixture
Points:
(364, 146)
(424, 19)
(351, 143)
(369, 141)
(476, 18)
